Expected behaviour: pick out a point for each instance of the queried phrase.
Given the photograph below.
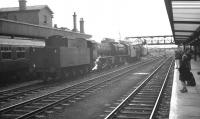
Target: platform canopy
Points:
(184, 17)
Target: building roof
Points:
(184, 17)
(4, 41)
(28, 8)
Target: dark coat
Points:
(184, 69)
(178, 55)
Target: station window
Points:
(5, 17)
(45, 19)
(6, 52)
(15, 18)
(20, 52)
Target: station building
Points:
(39, 15)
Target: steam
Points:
(96, 63)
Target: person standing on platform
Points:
(190, 78)
(178, 57)
(189, 57)
(184, 70)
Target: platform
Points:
(186, 105)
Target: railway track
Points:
(19, 93)
(62, 97)
(163, 109)
(142, 103)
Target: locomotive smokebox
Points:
(74, 20)
(22, 4)
(81, 25)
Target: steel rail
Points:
(17, 88)
(21, 87)
(25, 91)
(71, 96)
(112, 114)
(3, 98)
(161, 92)
(26, 102)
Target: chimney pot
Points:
(55, 26)
(81, 25)
(74, 20)
(22, 4)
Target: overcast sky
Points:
(108, 18)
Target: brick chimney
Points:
(74, 20)
(81, 25)
(22, 4)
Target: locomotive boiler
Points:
(112, 53)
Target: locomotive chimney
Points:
(81, 25)
(22, 4)
(74, 20)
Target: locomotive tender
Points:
(62, 57)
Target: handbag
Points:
(191, 80)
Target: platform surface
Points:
(186, 105)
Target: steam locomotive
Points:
(61, 57)
(50, 52)
(111, 53)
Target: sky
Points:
(115, 19)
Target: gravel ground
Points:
(93, 106)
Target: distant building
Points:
(39, 15)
